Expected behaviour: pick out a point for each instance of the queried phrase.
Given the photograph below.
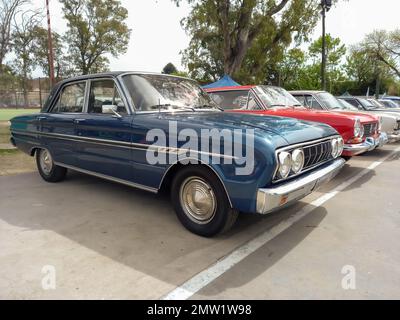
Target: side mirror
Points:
(109, 108)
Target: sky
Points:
(158, 38)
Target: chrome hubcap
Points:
(198, 200)
(46, 162)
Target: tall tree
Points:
(24, 46)
(228, 36)
(41, 52)
(8, 10)
(169, 69)
(385, 47)
(96, 28)
(335, 53)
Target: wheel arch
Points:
(174, 169)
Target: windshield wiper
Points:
(168, 106)
(208, 106)
(278, 105)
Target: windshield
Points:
(389, 104)
(347, 106)
(276, 97)
(367, 104)
(151, 92)
(329, 101)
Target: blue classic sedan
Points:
(154, 132)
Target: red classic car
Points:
(361, 133)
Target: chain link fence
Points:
(17, 99)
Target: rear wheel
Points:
(46, 167)
(201, 202)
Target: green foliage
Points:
(170, 69)
(41, 52)
(96, 28)
(243, 38)
(9, 80)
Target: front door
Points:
(104, 132)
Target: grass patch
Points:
(8, 152)
(8, 114)
(4, 133)
(15, 162)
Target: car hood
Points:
(364, 118)
(282, 130)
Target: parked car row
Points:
(254, 149)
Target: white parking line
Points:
(202, 279)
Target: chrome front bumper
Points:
(269, 200)
(393, 137)
(368, 145)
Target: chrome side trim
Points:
(121, 144)
(105, 177)
(203, 163)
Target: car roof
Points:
(115, 74)
(234, 88)
(390, 98)
(305, 91)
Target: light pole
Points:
(326, 6)
(50, 47)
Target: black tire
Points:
(55, 174)
(223, 217)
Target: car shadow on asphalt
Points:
(377, 155)
(268, 255)
(135, 228)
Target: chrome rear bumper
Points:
(272, 199)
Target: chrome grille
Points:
(370, 129)
(317, 154)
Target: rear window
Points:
(230, 100)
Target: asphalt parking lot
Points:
(105, 240)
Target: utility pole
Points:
(326, 6)
(50, 47)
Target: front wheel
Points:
(46, 167)
(201, 202)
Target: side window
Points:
(354, 102)
(105, 93)
(72, 99)
(312, 103)
(230, 100)
(302, 100)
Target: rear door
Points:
(105, 136)
(57, 126)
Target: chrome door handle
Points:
(79, 120)
(42, 118)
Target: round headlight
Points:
(285, 164)
(341, 147)
(335, 147)
(297, 160)
(358, 129)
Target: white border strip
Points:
(204, 278)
